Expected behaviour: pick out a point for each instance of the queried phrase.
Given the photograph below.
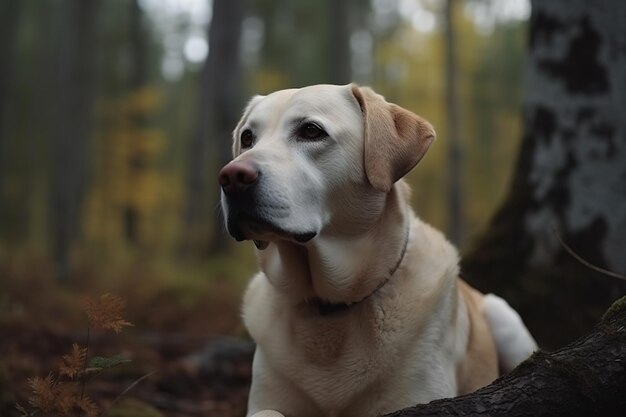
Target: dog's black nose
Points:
(237, 176)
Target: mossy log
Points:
(585, 378)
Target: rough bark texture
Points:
(74, 124)
(219, 106)
(586, 378)
(570, 177)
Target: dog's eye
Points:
(246, 138)
(311, 131)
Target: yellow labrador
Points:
(358, 310)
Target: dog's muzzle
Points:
(251, 209)
(238, 179)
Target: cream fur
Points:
(415, 339)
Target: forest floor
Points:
(188, 352)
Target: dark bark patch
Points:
(543, 123)
(580, 69)
(558, 197)
(568, 134)
(586, 243)
(543, 27)
(605, 132)
(585, 113)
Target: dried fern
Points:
(63, 395)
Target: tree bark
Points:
(570, 177)
(70, 147)
(586, 378)
(218, 110)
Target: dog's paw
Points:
(268, 413)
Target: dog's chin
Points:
(262, 231)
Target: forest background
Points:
(115, 117)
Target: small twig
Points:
(131, 386)
(585, 262)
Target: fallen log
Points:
(585, 378)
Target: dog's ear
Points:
(236, 144)
(395, 138)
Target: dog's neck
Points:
(325, 307)
(334, 270)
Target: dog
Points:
(358, 309)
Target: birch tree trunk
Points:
(219, 105)
(570, 177)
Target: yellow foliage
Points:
(146, 100)
(266, 80)
(128, 175)
(149, 142)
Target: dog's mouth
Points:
(262, 231)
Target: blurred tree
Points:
(339, 41)
(453, 119)
(491, 122)
(570, 176)
(219, 106)
(70, 144)
(9, 17)
(137, 78)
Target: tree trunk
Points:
(586, 378)
(131, 216)
(9, 17)
(70, 147)
(218, 110)
(570, 177)
(453, 119)
(339, 42)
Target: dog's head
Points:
(317, 159)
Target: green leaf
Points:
(101, 362)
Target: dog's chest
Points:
(334, 360)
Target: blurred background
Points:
(115, 117)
